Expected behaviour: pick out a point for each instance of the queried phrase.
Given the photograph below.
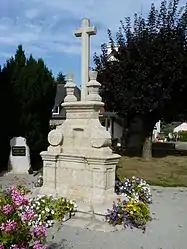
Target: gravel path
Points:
(168, 230)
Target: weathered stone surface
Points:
(79, 163)
(93, 87)
(70, 88)
(19, 163)
(85, 31)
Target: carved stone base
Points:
(89, 179)
(79, 163)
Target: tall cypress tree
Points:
(33, 93)
(39, 106)
(6, 103)
(60, 79)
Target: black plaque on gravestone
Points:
(19, 151)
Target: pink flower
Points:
(1, 246)
(39, 230)
(10, 225)
(27, 215)
(2, 226)
(7, 209)
(18, 197)
(38, 245)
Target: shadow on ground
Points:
(60, 245)
(159, 150)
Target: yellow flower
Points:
(131, 212)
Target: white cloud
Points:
(31, 13)
(47, 26)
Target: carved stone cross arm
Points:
(85, 31)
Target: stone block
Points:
(19, 159)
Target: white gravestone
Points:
(19, 156)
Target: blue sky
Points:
(46, 28)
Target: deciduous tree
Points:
(148, 81)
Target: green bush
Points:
(182, 136)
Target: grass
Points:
(169, 171)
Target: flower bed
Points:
(23, 221)
(132, 208)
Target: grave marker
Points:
(19, 156)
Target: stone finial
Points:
(70, 88)
(93, 87)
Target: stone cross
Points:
(85, 31)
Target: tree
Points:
(60, 79)
(43, 91)
(148, 80)
(6, 121)
(34, 92)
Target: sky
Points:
(45, 28)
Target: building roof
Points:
(59, 99)
(111, 53)
(181, 127)
(61, 93)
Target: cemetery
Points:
(86, 195)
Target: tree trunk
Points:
(135, 136)
(124, 134)
(149, 124)
(139, 141)
(147, 148)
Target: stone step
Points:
(86, 223)
(91, 224)
(94, 211)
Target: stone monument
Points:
(85, 31)
(79, 163)
(19, 160)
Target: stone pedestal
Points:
(79, 163)
(84, 179)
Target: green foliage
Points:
(139, 213)
(60, 79)
(132, 207)
(149, 78)
(62, 206)
(134, 187)
(129, 213)
(49, 209)
(182, 136)
(23, 221)
(151, 62)
(167, 128)
(5, 126)
(33, 93)
(17, 221)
